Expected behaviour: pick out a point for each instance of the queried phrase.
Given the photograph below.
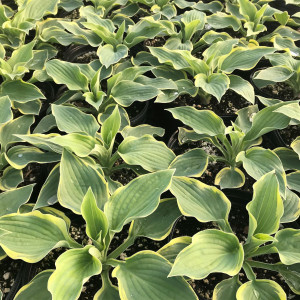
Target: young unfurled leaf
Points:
(137, 199)
(96, 221)
(111, 127)
(73, 269)
(230, 178)
(266, 208)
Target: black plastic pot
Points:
(74, 51)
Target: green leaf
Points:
(21, 91)
(10, 201)
(110, 55)
(107, 292)
(291, 275)
(5, 110)
(73, 269)
(267, 120)
(126, 92)
(291, 205)
(48, 192)
(202, 121)
(67, 73)
(28, 108)
(271, 75)
(191, 164)
(242, 87)
(35, 10)
(37, 288)
(10, 178)
(192, 196)
(81, 145)
(296, 146)
(258, 161)
(226, 289)
(20, 156)
(221, 20)
(266, 207)
(289, 158)
(76, 176)
(145, 275)
(71, 119)
(96, 222)
(43, 232)
(158, 225)
(261, 289)
(291, 110)
(243, 58)
(293, 181)
(214, 84)
(141, 130)
(287, 244)
(21, 56)
(10, 129)
(230, 178)
(147, 152)
(111, 126)
(205, 256)
(171, 250)
(137, 199)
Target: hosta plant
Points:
(125, 83)
(14, 27)
(236, 143)
(104, 217)
(201, 255)
(94, 154)
(11, 174)
(246, 17)
(212, 74)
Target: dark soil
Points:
(289, 134)
(280, 90)
(230, 103)
(86, 57)
(238, 219)
(123, 176)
